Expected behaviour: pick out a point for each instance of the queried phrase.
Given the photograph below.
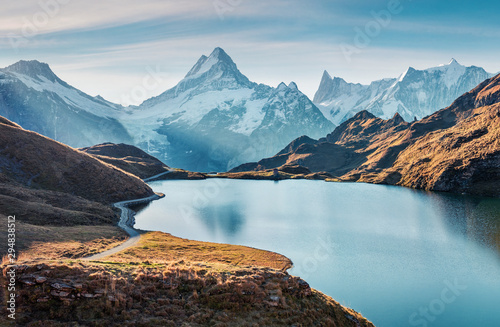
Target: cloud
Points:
(50, 16)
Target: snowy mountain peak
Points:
(34, 97)
(325, 88)
(216, 118)
(402, 76)
(197, 67)
(452, 65)
(218, 60)
(415, 93)
(326, 75)
(220, 54)
(410, 71)
(453, 62)
(282, 87)
(33, 69)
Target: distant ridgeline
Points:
(414, 95)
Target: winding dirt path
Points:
(150, 179)
(125, 223)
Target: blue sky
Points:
(108, 47)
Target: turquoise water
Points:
(398, 256)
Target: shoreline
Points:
(270, 289)
(127, 217)
(126, 222)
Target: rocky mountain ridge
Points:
(457, 149)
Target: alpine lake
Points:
(400, 257)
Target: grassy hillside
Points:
(168, 281)
(31, 160)
(128, 158)
(60, 196)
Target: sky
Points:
(130, 50)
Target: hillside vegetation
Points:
(61, 197)
(128, 158)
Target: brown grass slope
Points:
(464, 158)
(161, 248)
(176, 294)
(32, 160)
(128, 158)
(60, 197)
(455, 150)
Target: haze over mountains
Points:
(216, 118)
(414, 94)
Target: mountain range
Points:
(414, 94)
(215, 118)
(456, 149)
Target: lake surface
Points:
(398, 256)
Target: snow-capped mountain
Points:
(216, 118)
(416, 93)
(35, 98)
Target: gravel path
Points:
(150, 179)
(126, 222)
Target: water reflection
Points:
(227, 218)
(138, 208)
(477, 218)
